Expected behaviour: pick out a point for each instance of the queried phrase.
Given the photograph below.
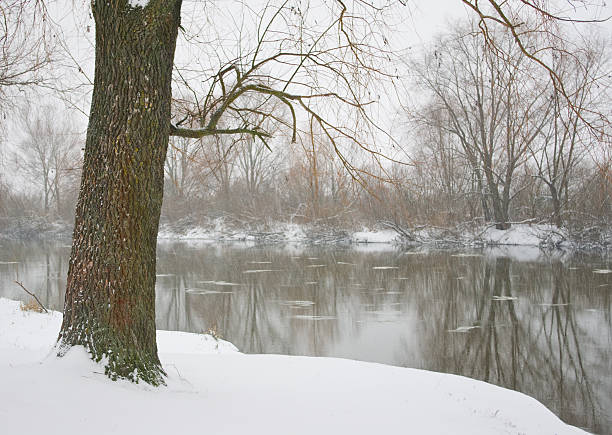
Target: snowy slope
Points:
(214, 389)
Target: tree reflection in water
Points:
(540, 326)
(527, 338)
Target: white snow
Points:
(368, 236)
(214, 389)
(219, 230)
(463, 328)
(524, 235)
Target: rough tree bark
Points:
(110, 295)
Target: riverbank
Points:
(523, 234)
(214, 388)
(226, 230)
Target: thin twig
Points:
(31, 294)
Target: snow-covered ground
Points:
(375, 236)
(213, 388)
(524, 235)
(538, 235)
(220, 230)
(381, 236)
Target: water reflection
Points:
(541, 326)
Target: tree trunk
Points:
(556, 203)
(110, 296)
(46, 196)
(483, 197)
(57, 194)
(500, 207)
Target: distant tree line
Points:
(490, 140)
(561, 176)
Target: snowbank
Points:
(224, 229)
(221, 230)
(367, 236)
(33, 228)
(214, 389)
(524, 235)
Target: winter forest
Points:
(198, 196)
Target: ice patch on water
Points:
(553, 305)
(504, 298)
(220, 283)
(198, 291)
(298, 304)
(304, 317)
(463, 329)
(260, 271)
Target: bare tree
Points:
(537, 27)
(48, 153)
(257, 165)
(25, 48)
(220, 156)
(495, 106)
(181, 167)
(442, 169)
(566, 137)
(316, 179)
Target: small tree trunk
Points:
(46, 195)
(556, 203)
(499, 204)
(500, 209)
(57, 196)
(483, 196)
(110, 296)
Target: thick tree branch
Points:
(198, 133)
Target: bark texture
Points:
(110, 295)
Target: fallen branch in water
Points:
(31, 294)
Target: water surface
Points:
(520, 318)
